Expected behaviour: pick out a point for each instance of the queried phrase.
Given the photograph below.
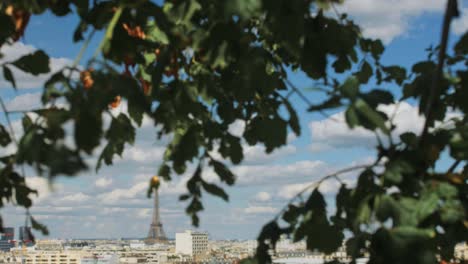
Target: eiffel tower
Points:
(156, 232)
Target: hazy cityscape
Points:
(234, 131)
(157, 248)
(188, 247)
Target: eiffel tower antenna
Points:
(156, 233)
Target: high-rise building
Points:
(192, 243)
(25, 236)
(7, 239)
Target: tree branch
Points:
(450, 12)
(109, 31)
(317, 183)
(454, 166)
(7, 117)
(305, 99)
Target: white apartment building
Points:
(192, 243)
(52, 257)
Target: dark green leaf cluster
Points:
(195, 67)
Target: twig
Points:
(82, 51)
(454, 166)
(450, 12)
(109, 31)
(12, 131)
(22, 111)
(317, 183)
(306, 100)
(7, 117)
(339, 16)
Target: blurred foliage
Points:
(194, 67)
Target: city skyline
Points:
(103, 204)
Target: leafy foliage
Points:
(194, 67)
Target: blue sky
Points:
(112, 203)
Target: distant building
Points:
(53, 257)
(7, 239)
(100, 259)
(25, 236)
(461, 251)
(49, 245)
(192, 243)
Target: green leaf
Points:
(385, 207)
(38, 226)
(293, 119)
(5, 138)
(35, 63)
(8, 28)
(428, 204)
(52, 87)
(243, 8)
(8, 75)
(155, 34)
(330, 103)
(292, 214)
(376, 97)
(267, 239)
(120, 132)
(351, 116)
(350, 87)
(223, 172)
(165, 172)
(462, 45)
(409, 233)
(185, 149)
(371, 115)
(396, 169)
(365, 73)
(452, 211)
(396, 73)
(446, 190)
(341, 64)
(409, 139)
(184, 197)
(322, 236)
(363, 213)
(194, 207)
(215, 190)
(88, 130)
(271, 131)
(271, 232)
(27, 123)
(377, 48)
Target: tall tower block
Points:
(156, 233)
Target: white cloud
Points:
(460, 25)
(28, 101)
(103, 182)
(118, 195)
(263, 197)
(260, 210)
(388, 19)
(43, 187)
(237, 128)
(143, 154)
(290, 190)
(256, 154)
(261, 174)
(76, 198)
(144, 213)
(24, 80)
(333, 132)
